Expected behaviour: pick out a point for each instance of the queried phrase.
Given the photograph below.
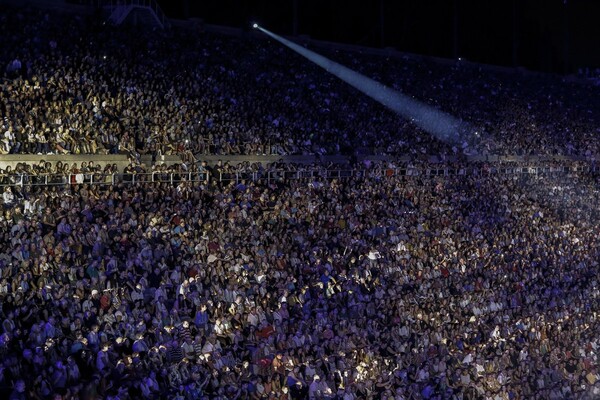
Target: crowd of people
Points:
(373, 280)
(71, 87)
(373, 286)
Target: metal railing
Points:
(103, 179)
(284, 175)
(279, 175)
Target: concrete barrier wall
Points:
(236, 159)
(122, 160)
(296, 159)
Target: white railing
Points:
(104, 179)
(279, 175)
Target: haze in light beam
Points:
(438, 123)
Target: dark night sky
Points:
(547, 35)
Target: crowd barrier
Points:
(100, 179)
(279, 175)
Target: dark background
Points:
(546, 35)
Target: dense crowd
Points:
(374, 280)
(70, 87)
(510, 112)
(378, 286)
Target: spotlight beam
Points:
(438, 123)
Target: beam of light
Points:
(438, 123)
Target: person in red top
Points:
(444, 270)
(105, 301)
(265, 331)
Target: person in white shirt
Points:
(9, 136)
(8, 197)
(374, 255)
